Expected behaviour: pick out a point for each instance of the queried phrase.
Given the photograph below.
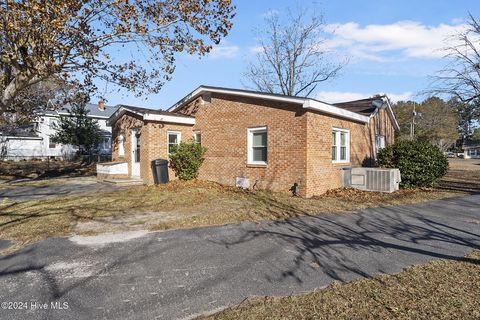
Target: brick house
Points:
(273, 141)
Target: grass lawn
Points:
(436, 290)
(192, 204)
(180, 205)
(463, 174)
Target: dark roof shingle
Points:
(93, 109)
(364, 107)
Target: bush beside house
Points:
(186, 159)
(421, 164)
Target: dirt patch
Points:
(436, 290)
(133, 222)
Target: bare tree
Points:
(131, 44)
(461, 76)
(292, 59)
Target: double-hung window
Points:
(173, 139)
(257, 146)
(197, 137)
(340, 145)
(51, 145)
(379, 143)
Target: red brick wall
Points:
(322, 174)
(156, 146)
(299, 143)
(223, 124)
(124, 126)
(153, 142)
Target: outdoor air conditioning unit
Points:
(372, 179)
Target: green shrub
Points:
(420, 163)
(186, 159)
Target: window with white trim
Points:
(197, 137)
(257, 146)
(340, 145)
(51, 144)
(173, 139)
(379, 143)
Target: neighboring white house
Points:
(471, 150)
(33, 141)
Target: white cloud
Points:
(400, 97)
(224, 52)
(270, 13)
(256, 49)
(342, 96)
(409, 38)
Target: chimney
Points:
(101, 105)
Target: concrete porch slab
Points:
(125, 182)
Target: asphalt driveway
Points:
(178, 274)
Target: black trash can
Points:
(160, 171)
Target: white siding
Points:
(26, 147)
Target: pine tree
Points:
(78, 129)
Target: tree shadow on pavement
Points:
(337, 244)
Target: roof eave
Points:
(392, 115)
(336, 111)
(168, 118)
(306, 103)
(150, 117)
(23, 138)
(120, 112)
(204, 89)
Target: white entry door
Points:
(135, 153)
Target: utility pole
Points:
(412, 124)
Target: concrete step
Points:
(125, 182)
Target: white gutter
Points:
(22, 138)
(166, 118)
(151, 117)
(305, 102)
(239, 93)
(120, 111)
(392, 115)
(336, 111)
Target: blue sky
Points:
(392, 46)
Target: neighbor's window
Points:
(51, 145)
(257, 146)
(197, 137)
(173, 140)
(380, 143)
(340, 145)
(52, 123)
(104, 144)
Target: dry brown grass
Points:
(11, 170)
(191, 204)
(464, 164)
(436, 290)
(463, 174)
